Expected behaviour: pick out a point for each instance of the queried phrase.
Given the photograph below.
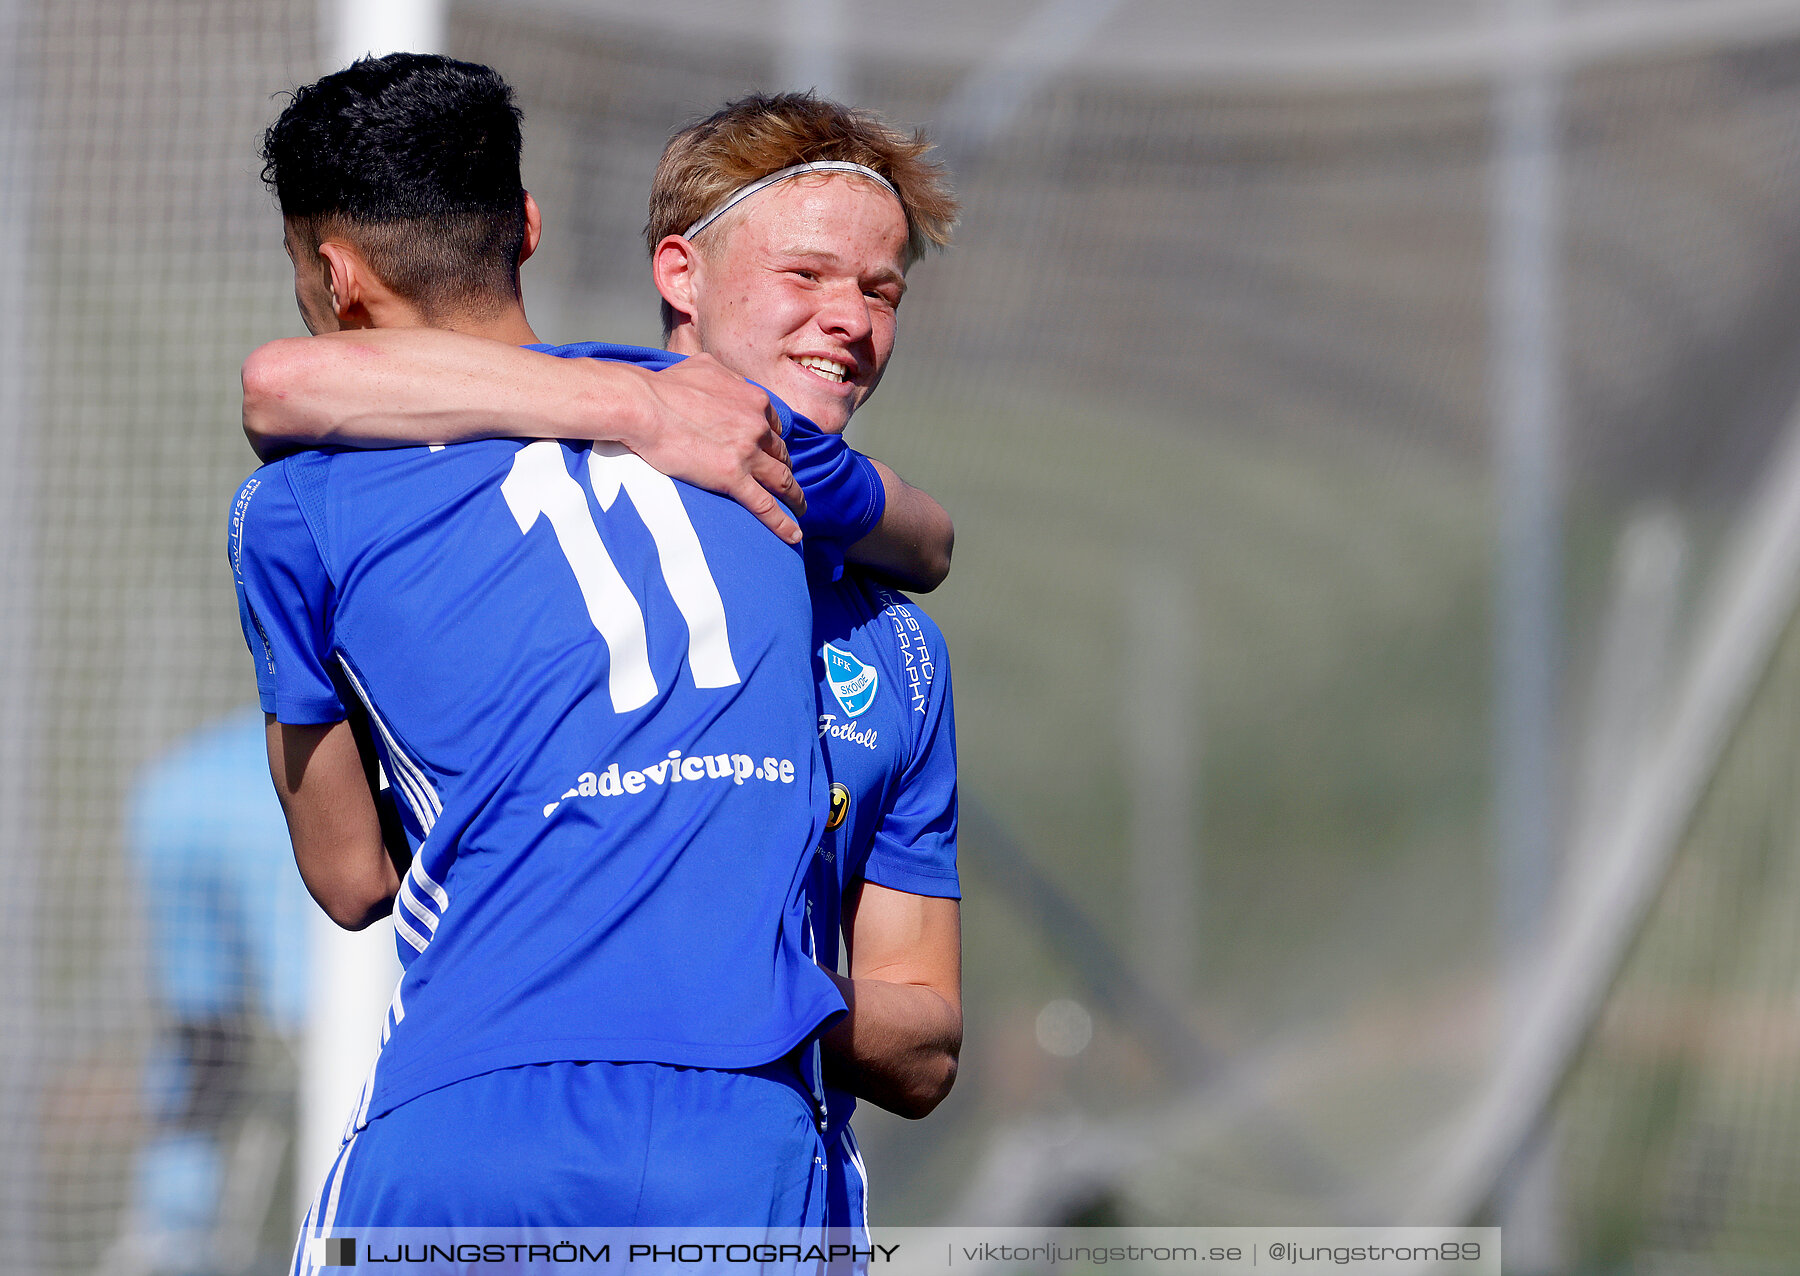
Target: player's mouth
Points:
(831, 370)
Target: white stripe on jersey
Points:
(320, 1214)
(409, 777)
(301, 1254)
(337, 1185)
(359, 1115)
(415, 905)
(848, 1139)
(404, 929)
(425, 882)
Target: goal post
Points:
(20, 905)
(1616, 880)
(350, 977)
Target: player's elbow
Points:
(929, 1084)
(354, 901)
(929, 1087)
(933, 1071)
(357, 910)
(925, 564)
(271, 375)
(934, 564)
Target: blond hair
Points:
(705, 163)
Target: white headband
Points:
(743, 193)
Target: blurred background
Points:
(1372, 433)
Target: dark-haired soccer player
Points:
(590, 688)
(790, 269)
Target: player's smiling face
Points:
(798, 292)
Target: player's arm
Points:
(333, 821)
(398, 387)
(695, 421)
(911, 545)
(898, 1045)
(322, 772)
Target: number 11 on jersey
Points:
(539, 484)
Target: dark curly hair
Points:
(414, 158)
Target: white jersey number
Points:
(540, 485)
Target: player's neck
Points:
(506, 322)
(509, 325)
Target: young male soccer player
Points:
(590, 688)
(795, 283)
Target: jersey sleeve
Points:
(845, 498)
(914, 848)
(284, 600)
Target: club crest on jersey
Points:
(851, 681)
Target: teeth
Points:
(826, 368)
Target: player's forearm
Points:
(398, 387)
(351, 876)
(401, 387)
(332, 822)
(912, 543)
(897, 1047)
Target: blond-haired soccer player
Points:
(781, 230)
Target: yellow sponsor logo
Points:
(840, 807)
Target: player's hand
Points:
(707, 426)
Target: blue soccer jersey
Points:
(591, 690)
(887, 724)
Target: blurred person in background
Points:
(781, 229)
(227, 919)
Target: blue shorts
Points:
(846, 1186)
(846, 1196)
(586, 1145)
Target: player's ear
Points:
(534, 227)
(678, 269)
(346, 280)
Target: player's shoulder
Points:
(888, 627)
(909, 625)
(269, 476)
(856, 603)
(282, 481)
(282, 491)
(303, 494)
(264, 504)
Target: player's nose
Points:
(844, 313)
